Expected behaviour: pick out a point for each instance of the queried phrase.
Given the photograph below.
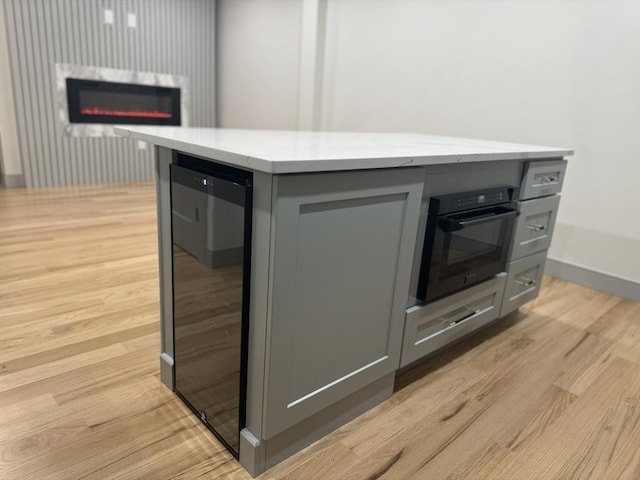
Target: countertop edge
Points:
(234, 159)
(302, 166)
(333, 165)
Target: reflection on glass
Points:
(208, 313)
(208, 287)
(478, 241)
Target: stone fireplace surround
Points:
(65, 70)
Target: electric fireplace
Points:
(98, 101)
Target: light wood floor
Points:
(550, 392)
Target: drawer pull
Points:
(548, 178)
(525, 282)
(471, 313)
(536, 227)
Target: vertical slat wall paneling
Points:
(111, 59)
(137, 60)
(24, 81)
(52, 112)
(61, 152)
(173, 37)
(36, 14)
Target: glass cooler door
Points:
(211, 219)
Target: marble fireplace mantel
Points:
(65, 70)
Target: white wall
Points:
(257, 69)
(563, 73)
(10, 164)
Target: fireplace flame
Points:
(125, 113)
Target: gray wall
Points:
(172, 36)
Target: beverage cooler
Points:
(211, 234)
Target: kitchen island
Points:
(292, 267)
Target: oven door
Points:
(462, 249)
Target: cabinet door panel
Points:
(341, 260)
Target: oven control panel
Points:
(481, 200)
(456, 202)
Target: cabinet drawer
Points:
(542, 179)
(429, 327)
(534, 226)
(523, 281)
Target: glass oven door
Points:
(466, 248)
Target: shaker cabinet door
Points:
(341, 254)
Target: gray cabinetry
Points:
(429, 327)
(342, 247)
(335, 225)
(538, 205)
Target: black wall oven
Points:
(467, 240)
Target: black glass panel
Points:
(208, 227)
(98, 101)
(462, 250)
(477, 243)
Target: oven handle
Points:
(450, 224)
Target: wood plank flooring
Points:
(550, 392)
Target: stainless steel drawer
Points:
(429, 327)
(523, 281)
(542, 178)
(534, 226)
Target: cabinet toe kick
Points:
(251, 452)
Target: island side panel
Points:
(163, 158)
(341, 261)
(252, 455)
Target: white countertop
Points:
(280, 151)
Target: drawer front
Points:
(534, 226)
(437, 324)
(542, 179)
(523, 282)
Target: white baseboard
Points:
(590, 278)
